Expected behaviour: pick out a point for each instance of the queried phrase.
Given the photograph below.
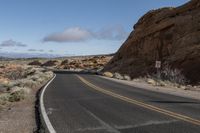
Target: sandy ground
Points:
(19, 117)
(194, 94)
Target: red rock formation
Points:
(35, 63)
(171, 35)
(50, 63)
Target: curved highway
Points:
(84, 103)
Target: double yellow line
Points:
(141, 104)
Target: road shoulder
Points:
(172, 91)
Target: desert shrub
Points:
(4, 97)
(13, 75)
(18, 93)
(20, 73)
(50, 63)
(2, 88)
(65, 62)
(11, 84)
(173, 75)
(48, 75)
(41, 77)
(27, 83)
(21, 81)
(17, 96)
(35, 63)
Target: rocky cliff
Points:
(171, 35)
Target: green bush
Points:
(17, 96)
(21, 82)
(4, 98)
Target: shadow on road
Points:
(73, 72)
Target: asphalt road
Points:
(82, 103)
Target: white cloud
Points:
(74, 34)
(36, 50)
(32, 50)
(112, 33)
(11, 43)
(77, 34)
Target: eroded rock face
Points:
(171, 35)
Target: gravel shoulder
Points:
(20, 114)
(194, 94)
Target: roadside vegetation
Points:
(166, 77)
(18, 81)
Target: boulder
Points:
(108, 74)
(126, 77)
(151, 81)
(35, 63)
(118, 76)
(50, 63)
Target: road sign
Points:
(158, 64)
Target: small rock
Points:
(108, 74)
(126, 77)
(151, 81)
(183, 87)
(162, 83)
(188, 87)
(118, 76)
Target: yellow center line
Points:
(141, 104)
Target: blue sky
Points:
(70, 27)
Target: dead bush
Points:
(17, 96)
(173, 75)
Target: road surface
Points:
(83, 103)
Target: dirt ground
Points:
(19, 117)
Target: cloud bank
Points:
(74, 34)
(11, 43)
(78, 34)
(36, 50)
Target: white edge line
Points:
(43, 111)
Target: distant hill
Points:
(4, 58)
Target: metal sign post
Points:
(158, 66)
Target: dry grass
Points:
(173, 75)
(21, 80)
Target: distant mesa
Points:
(170, 35)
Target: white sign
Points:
(158, 64)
